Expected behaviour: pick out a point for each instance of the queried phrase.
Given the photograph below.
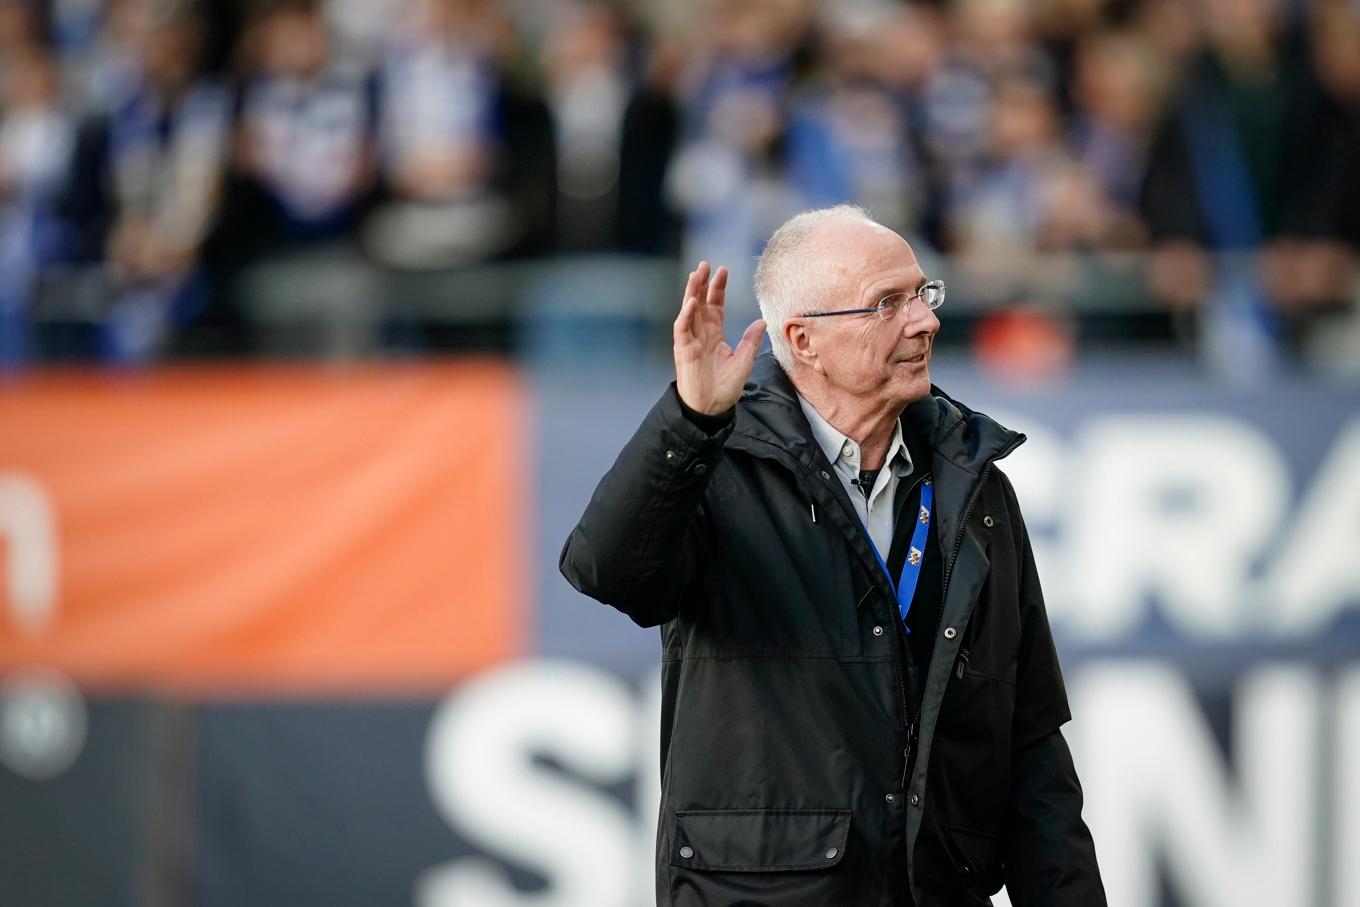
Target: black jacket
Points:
(789, 775)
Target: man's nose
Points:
(920, 320)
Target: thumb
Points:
(750, 342)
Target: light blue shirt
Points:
(843, 452)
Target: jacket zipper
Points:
(963, 664)
(897, 667)
(963, 523)
(898, 670)
(944, 597)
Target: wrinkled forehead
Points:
(854, 256)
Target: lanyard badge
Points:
(905, 587)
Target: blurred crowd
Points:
(154, 154)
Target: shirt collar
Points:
(841, 448)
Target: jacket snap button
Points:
(891, 798)
(826, 475)
(686, 852)
(878, 631)
(670, 455)
(700, 468)
(988, 521)
(950, 632)
(831, 854)
(915, 800)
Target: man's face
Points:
(865, 359)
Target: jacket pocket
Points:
(760, 840)
(970, 758)
(974, 853)
(784, 857)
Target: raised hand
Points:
(709, 374)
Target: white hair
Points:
(788, 279)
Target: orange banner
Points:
(264, 529)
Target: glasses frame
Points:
(884, 305)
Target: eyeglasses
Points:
(931, 293)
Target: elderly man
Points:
(862, 700)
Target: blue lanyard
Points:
(905, 587)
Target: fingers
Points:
(717, 289)
(708, 285)
(691, 286)
(704, 287)
(684, 322)
(701, 275)
(750, 342)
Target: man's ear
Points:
(802, 343)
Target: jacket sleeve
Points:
(641, 536)
(1049, 854)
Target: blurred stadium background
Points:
(319, 321)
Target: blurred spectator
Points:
(304, 144)
(36, 135)
(1031, 197)
(850, 135)
(467, 151)
(727, 178)
(103, 50)
(989, 40)
(1118, 92)
(589, 90)
(1336, 36)
(1062, 26)
(648, 223)
(1251, 155)
(304, 175)
(1006, 207)
(376, 145)
(145, 187)
(22, 26)
(1333, 263)
(616, 126)
(75, 24)
(999, 37)
(1173, 27)
(362, 27)
(21, 32)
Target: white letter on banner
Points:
(1156, 785)
(648, 786)
(480, 767)
(1176, 507)
(1316, 572)
(26, 519)
(1347, 888)
(1036, 470)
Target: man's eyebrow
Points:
(895, 288)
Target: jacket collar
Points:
(770, 424)
(769, 415)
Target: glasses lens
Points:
(889, 306)
(932, 294)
